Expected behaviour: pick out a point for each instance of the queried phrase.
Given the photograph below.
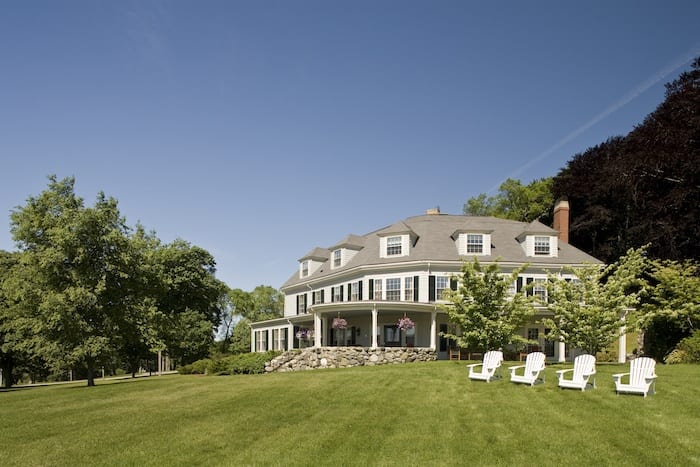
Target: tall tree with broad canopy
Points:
(188, 300)
(487, 315)
(644, 187)
(588, 312)
(515, 201)
(74, 256)
(9, 354)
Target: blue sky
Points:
(261, 129)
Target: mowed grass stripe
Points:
(420, 413)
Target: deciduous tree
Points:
(487, 315)
(589, 312)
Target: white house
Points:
(372, 280)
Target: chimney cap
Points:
(433, 211)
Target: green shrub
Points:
(250, 363)
(607, 355)
(239, 364)
(688, 348)
(677, 356)
(196, 368)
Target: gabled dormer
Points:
(396, 240)
(539, 241)
(472, 242)
(343, 252)
(313, 260)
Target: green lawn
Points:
(413, 414)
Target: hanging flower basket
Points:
(339, 323)
(405, 323)
(305, 334)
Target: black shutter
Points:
(313, 298)
(519, 284)
(453, 283)
(332, 294)
(528, 281)
(415, 288)
(306, 302)
(349, 292)
(371, 289)
(323, 298)
(431, 288)
(359, 292)
(297, 310)
(341, 293)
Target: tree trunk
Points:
(90, 373)
(7, 368)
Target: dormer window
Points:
(542, 246)
(337, 258)
(475, 243)
(304, 268)
(393, 246)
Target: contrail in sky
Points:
(624, 100)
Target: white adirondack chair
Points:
(490, 367)
(534, 366)
(583, 370)
(642, 377)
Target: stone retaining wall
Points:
(344, 357)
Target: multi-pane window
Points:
(279, 339)
(304, 269)
(355, 291)
(261, 341)
(337, 258)
(301, 304)
(377, 289)
(408, 289)
(539, 290)
(475, 243)
(393, 246)
(393, 289)
(542, 246)
(318, 296)
(441, 283)
(337, 294)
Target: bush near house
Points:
(687, 350)
(239, 364)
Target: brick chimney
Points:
(561, 219)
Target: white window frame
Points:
(337, 258)
(305, 268)
(542, 246)
(441, 280)
(355, 291)
(318, 297)
(473, 246)
(393, 289)
(377, 289)
(408, 289)
(261, 340)
(394, 246)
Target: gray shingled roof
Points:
(434, 242)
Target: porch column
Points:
(317, 330)
(374, 326)
(562, 351)
(433, 330)
(290, 336)
(622, 346)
